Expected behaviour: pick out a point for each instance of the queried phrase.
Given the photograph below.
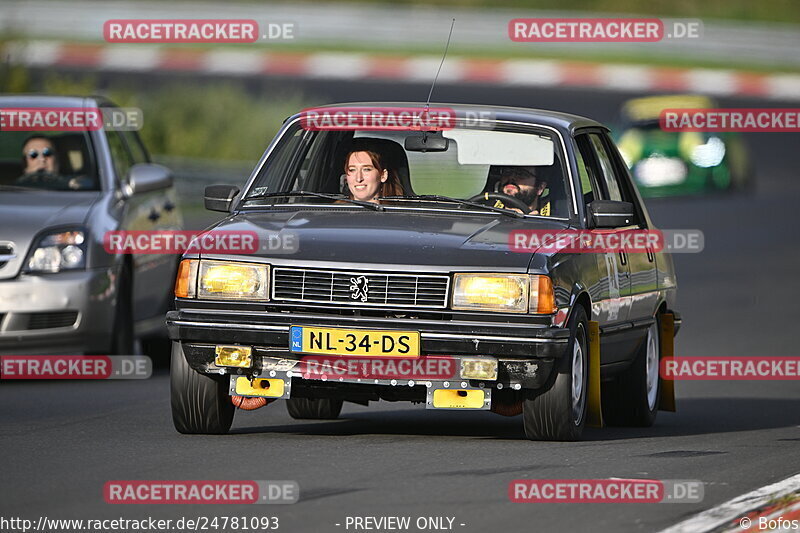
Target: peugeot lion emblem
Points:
(359, 288)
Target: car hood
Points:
(24, 214)
(438, 241)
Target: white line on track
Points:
(736, 507)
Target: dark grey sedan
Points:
(60, 193)
(406, 281)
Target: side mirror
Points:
(220, 197)
(144, 177)
(610, 214)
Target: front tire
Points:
(559, 413)
(314, 408)
(122, 341)
(200, 403)
(631, 399)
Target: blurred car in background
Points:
(679, 163)
(60, 291)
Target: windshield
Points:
(52, 161)
(387, 167)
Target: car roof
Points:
(649, 107)
(45, 100)
(555, 119)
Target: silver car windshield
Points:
(59, 161)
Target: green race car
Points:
(679, 163)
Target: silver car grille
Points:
(382, 289)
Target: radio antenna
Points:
(428, 102)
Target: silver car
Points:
(61, 292)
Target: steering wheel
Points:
(498, 199)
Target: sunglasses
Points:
(33, 154)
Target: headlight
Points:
(709, 154)
(225, 280)
(57, 251)
(510, 293)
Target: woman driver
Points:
(368, 178)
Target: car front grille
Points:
(360, 288)
(54, 319)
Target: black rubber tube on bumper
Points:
(200, 403)
(549, 415)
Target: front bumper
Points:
(525, 353)
(61, 313)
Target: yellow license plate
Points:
(357, 342)
(458, 398)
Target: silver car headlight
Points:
(58, 250)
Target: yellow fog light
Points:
(233, 281)
(491, 292)
(479, 369)
(237, 356)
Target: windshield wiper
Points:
(292, 194)
(439, 198)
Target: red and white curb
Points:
(737, 514)
(355, 66)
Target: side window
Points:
(119, 155)
(608, 175)
(275, 174)
(586, 181)
(135, 147)
(588, 169)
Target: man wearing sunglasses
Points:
(41, 165)
(39, 156)
(523, 184)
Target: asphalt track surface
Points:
(61, 441)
